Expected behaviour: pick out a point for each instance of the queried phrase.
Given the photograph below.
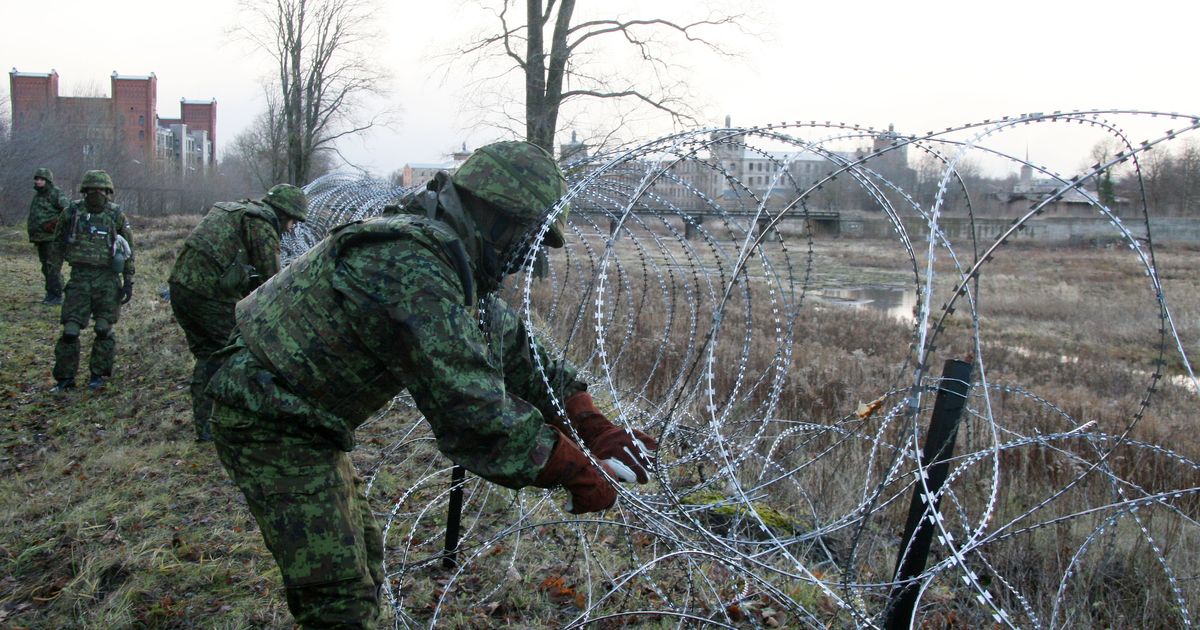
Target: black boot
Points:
(96, 382)
(63, 385)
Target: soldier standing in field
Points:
(234, 249)
(48, 202)
(389, 304)
(98, 245)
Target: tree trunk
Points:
(535, 78)
(294, 107)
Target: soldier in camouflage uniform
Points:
(48, 202)
(98, 245)
(234, 249)
(388, 304)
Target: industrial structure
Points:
(126, 121)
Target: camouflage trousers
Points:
(313, 515)
(50, 255)
(92, 292)
(206, 324)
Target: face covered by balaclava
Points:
(96, 199)
(504, 241)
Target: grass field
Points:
(115, 517)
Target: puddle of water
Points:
(896, 302)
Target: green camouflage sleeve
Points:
(410, 308)
(523, 354)
(262, 247)
(64, 223)
(61, 201)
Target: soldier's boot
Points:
(104, 349)
(63, 385)
(52, 273)
(66, 355)
(96, 382)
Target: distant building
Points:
(890, 157)
(420, 172)
(1030, 192)
(126, 119)
(573, 150)
(730, 175)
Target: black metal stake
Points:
(918, 531)
(454, 517)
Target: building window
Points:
(142, 122)
(141, 134)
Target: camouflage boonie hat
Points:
(519, 178)
(96, 179)
(45, 174)
(289, 200)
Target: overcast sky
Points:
(918, 65)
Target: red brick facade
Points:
(133, 103)
(200, 116)
(129, 114)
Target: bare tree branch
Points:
(324, 73)
(557, 56)
(613, 26)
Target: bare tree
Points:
(260, 151)
(5, 115)
(324, 73)
(559, 60)
(1170, 180)
(1188, 178)
(1100, 154)
(1156, 167)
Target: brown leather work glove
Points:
(627, 454)
(569, 467)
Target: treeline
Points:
(1172, 180)
(143, 186)
(1169, 179)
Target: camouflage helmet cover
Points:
(45, 174)
(96, 179)
(519, 178)
(289, 200)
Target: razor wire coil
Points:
(694, 276)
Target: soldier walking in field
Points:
(99, 247)
(48, 202)
(389, 304)
(234, 249)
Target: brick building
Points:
(420, 172)
(127, 119)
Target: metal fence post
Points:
(934, 465)
(454, 517)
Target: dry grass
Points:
(117, 519)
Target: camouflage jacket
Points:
(48, 203)
(90, 238)
(234, 249)
(384, 305)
